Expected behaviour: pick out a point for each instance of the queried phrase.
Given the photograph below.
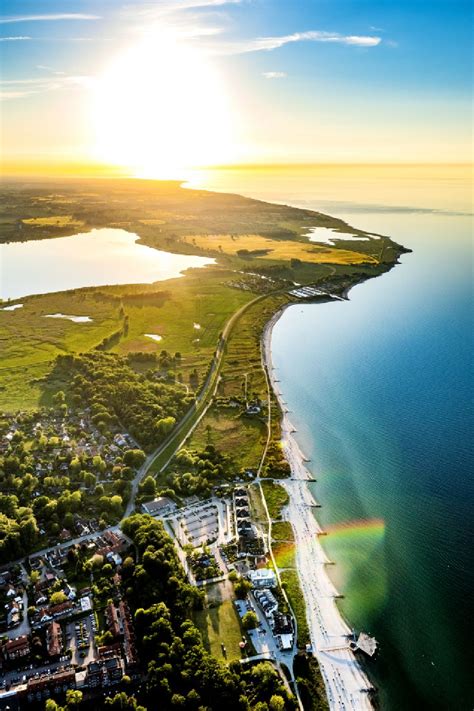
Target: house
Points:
(16, 648)
(283, 631)
(13, 615)
(62, 609)
(282, 624)
(54, 641)
(267, 602)
(112, 619)
(131, 657)
(104, 672)
(86, 603)
(70, 592)
(285, 642)
(45, 686)
(159, 507)
(252, 410)
(44, 616)
(114, 558)
(262, 578)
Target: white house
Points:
(262, 578)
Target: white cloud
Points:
(268, 43)
(46, 18)
(14, 39)
(274, 75)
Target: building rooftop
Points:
(160, 505)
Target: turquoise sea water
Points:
(380, 390)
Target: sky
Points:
(153, 88)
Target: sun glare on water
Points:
(161, 110)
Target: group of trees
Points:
(147, 407)
(74, 702)
(180, 672)
(276, 465)
(196, 472)
(46, 484)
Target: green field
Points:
(219, 622)
(29, 342)
(276, 498)
(282, 531)
(290, 582)
(232, 432)
(258, 247)
(168, 217)
(284, 553)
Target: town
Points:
(65, 622)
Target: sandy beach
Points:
(346, 683)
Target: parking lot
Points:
(80, 640)
(202, 523)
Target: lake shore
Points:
(345, 681)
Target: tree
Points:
(95, 563)
(89, 479)
(116, 504)
(242, 588)
(250, 620)
(123, 702)
(59, 398)
(58, 597)
(73, 698)
(277, 703)
(134, 458)
(148, 486)
(99, 463)
(165, 425)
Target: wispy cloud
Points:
(14, 39)
(274, 75)
(48, 17)
(4, 95)
(45, 68)
(19, 88)
(165, 6)
(269, 43)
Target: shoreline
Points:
(343, 676)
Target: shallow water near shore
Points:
(380, 391)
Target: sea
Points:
(380, 391)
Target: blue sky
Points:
(313, 80)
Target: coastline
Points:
(345, 681)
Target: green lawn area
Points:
(220, 624)
(276, 498)
(290, 582)
(282, 531)
(284, 553)
(257, 508)
(232, 434)
(29, 342)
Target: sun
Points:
(161, 109)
